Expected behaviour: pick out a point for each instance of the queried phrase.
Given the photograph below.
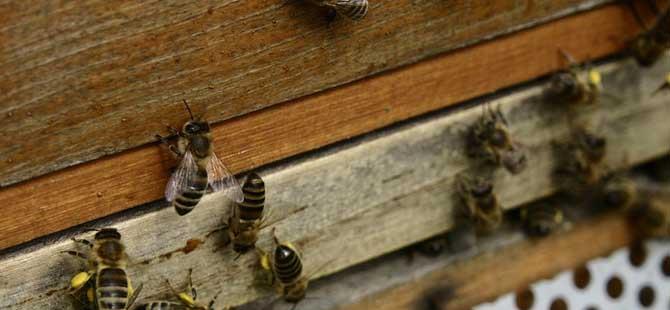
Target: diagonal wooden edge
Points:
(95, 189)
(358, 200)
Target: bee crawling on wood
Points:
(106, 282)
(199, 167)
(353, 9)
(577, 85)
(490, 140)
(619, 191)
(187, 300)
(247, 216)
(651, 218)
(480, 203)
(580, 161)
(648, 47)
(284, 269)
(541, 220)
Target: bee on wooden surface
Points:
(199, 167)
(107, 282)
(541, 220)
(490, 140)
(247, 216)
(648, 47)
(187, 300)
(353, 9)
(480, 203)
(580, 163)
(577, 85)
(619, 192)
(651, 218)
(284, 268)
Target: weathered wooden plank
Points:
(89, 191)
(363, 198)
(86, 79)
(500, 266)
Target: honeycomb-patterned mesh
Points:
(631, 278)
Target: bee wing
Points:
(354, 9)
(220, 179)
(181, 177)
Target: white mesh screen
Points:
(635, 278)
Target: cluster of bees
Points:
(106, 285)
(580, 169)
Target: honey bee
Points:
(648, 47)
(284, 268)
(353, 9)
(107, 282)
(581, 163)
(541, 220)
(489, 139)
(480, 203)
(246, 219)
(577, 85)
(199, 167)
(187, 300)
(651, 218)
(619, 192)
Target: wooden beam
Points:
(495, 270)
(364, 198)
(85, 192)
(87, 79)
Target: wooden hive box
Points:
(357, 128)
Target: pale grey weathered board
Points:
(357, 201)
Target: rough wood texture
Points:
(92, 190)
(497, 269)
(364, 198)
(86, 79)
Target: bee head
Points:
(108, 233)
(564, 83)
(481, 189)
(593, 144)
(195, 127)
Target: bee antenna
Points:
(188, 109)
(274, 236)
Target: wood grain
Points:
(364, 198)
(92, 190)
(492, 272)
(85, 79)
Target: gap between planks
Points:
(361, 199)
(95, 189)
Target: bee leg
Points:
(331, 15)
(83, 241)
(173, 148)
(77, 254)
(133, 297)
(194, 293)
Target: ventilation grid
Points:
(634, 278)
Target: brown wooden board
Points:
(85, 79)
(355, 201)
(95, 189)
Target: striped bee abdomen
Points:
(354, 9)
(287, 264)
(112, 289)
(251, 208)
(189, 196)
(161, 305)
